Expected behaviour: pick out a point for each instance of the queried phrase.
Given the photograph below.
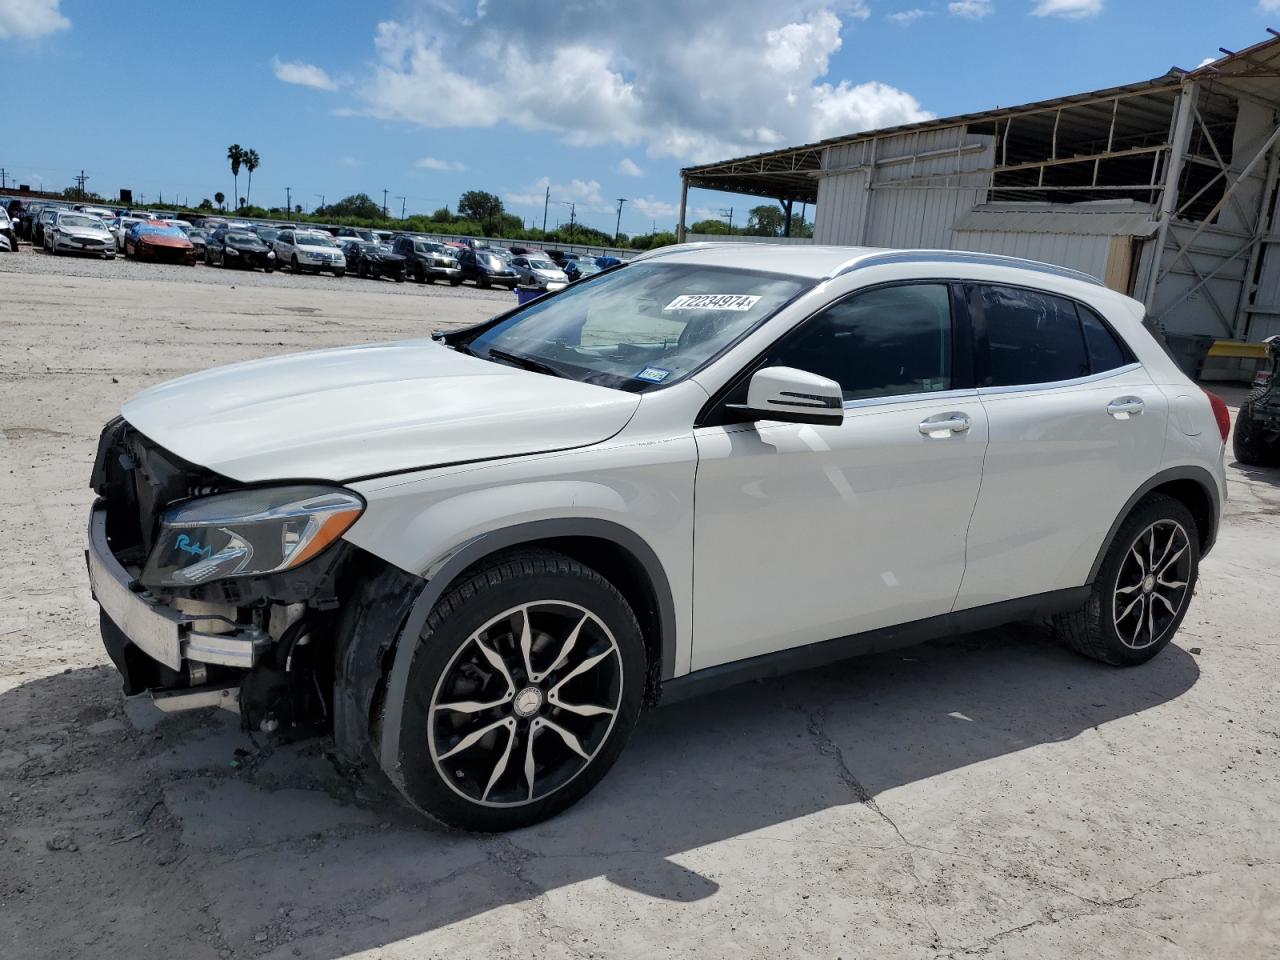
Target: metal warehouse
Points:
(1165, 189)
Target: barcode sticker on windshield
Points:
(712, 301)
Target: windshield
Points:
(586, 268)
(643, 326)
(242, 237)
(81, 221)
(315, 240)
(543, 265)
(159, 229)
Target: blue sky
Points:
(597, 99)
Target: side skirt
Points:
(812, 655)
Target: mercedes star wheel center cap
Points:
(527, 702)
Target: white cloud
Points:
(1068, 9)
(971, 9)
(1208, 60)
(349, 162)
(431, 163)
(584, 194)
(28, 19)
(303, 74)
(654, 209)
(682, 80)
(904, 18)
(1269, 6)
(629, 168)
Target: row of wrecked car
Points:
(61, 228)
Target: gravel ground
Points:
(30, 260)
(993, 796)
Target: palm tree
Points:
(251, 160)
(218, 198)
(235, 153)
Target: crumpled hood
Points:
(374, 409)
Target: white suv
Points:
(313, 250)
(476, 558)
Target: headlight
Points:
(248, 533)
(233, 251)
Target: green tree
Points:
(709, 226)
(205, 204)
(235, 154)
(766, 221)
(251, 162)
(443, 215)
(480, 206)
(359, 205)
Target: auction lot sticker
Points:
(712, 301)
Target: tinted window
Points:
(1033, 337)
(1105, 351)
(886, 342)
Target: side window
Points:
(1032, 337)
(1105, 351)
(886, 342)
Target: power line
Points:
(545, 203)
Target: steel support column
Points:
(1179, 138)
(684, 203)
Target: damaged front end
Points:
(216, 593)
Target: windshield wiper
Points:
(525, 363)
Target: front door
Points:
(805, 533)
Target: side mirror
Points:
(795, 396)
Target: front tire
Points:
(523, 690)
(1249, 444)
(1142, 590)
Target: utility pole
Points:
(321, 196)
(80, 184)
(729, 214)
(4, 183)
(545, 203)
(573, 209)
(617, 226)
(288, 199)
(402, 203)
(384, 203)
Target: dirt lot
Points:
(991, 797)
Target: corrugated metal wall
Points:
(1080, 252)
(882, 216)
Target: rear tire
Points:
(1249, 444)
(1143, 589)
(552, 655)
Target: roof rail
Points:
(963, 256)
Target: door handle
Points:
(1122, 408)
(943, 425)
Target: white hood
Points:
(359, 411)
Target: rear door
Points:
(1076, 427)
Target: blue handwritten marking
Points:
(186, 544)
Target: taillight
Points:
(1220, 413)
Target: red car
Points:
(159, 242)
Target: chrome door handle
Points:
(944, 425)
(1122, 408)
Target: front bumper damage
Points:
(260, 646)
(182, 645)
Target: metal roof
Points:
(791, 172)
(1100, 218)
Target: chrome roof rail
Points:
(967, 257)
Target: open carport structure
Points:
(1164, 188)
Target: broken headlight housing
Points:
(247, 533)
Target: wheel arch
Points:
(1192, 486)
(616, 552)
